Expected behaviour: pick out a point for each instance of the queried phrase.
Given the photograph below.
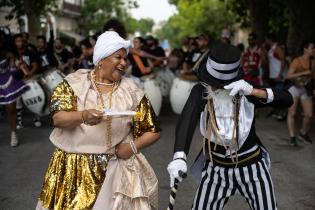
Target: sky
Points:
(158, 10)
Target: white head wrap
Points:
(108, 43)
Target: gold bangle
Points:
(82, 118)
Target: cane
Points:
(174, 190)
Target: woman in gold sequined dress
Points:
(97, 163)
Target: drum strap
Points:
(197, 64)
(140, 64)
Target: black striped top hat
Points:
(221, 67)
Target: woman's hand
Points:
(123, 150)
(92, 116)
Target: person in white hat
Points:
(97, 163)
(233, 160)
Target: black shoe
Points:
(292, 141)
(305, 138)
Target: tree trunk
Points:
(259, 17)
(33, 25)
(33, 10)
(301, 27)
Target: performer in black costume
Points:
(233, 159)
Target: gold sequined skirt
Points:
(73, 181)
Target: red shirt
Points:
(251, 59)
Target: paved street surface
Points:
(293, 168)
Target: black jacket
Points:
(195, 104)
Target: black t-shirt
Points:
(135, 71)
(192, 57)
(76, 51)
(29, 57)
(158, 51)
(86, 63)
(64, 56)
(47, 59)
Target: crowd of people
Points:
(100, 76)
(263, 65)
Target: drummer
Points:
(45, 50)
(64, 57)
(28, 62)
(193, 57)
(152, 47)
(86, 59)
(140, 65)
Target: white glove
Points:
(177, 165)
(173, 169)
(240, 86)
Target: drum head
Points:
(154, 94)
(164, 79)
(179, 94)
(52, 78)
(35, 99)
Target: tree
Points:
(144, 26)
(195, 17)
(253, 13)
(301, 26)
(33, 9)
(290, 20)
(97, 12)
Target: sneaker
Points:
(37, 123)
(281, 117)
(292, 141)
(19, 125)
(14, 140)
(305, 138)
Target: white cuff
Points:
(270, 95)
(179, 154)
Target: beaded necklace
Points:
(108, 119)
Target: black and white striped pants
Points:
(219, 183)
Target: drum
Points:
(153, 92)
(51, 78)
(179, 93)
(164, 79)
(35, 98)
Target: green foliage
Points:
(277, 15)
(97, 12)
(144, 26)
(240, 9)
(195, 17)
(28, 7)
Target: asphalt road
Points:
(293, 168)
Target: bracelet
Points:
(133, 147)
(181, 159)
(82, 118)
